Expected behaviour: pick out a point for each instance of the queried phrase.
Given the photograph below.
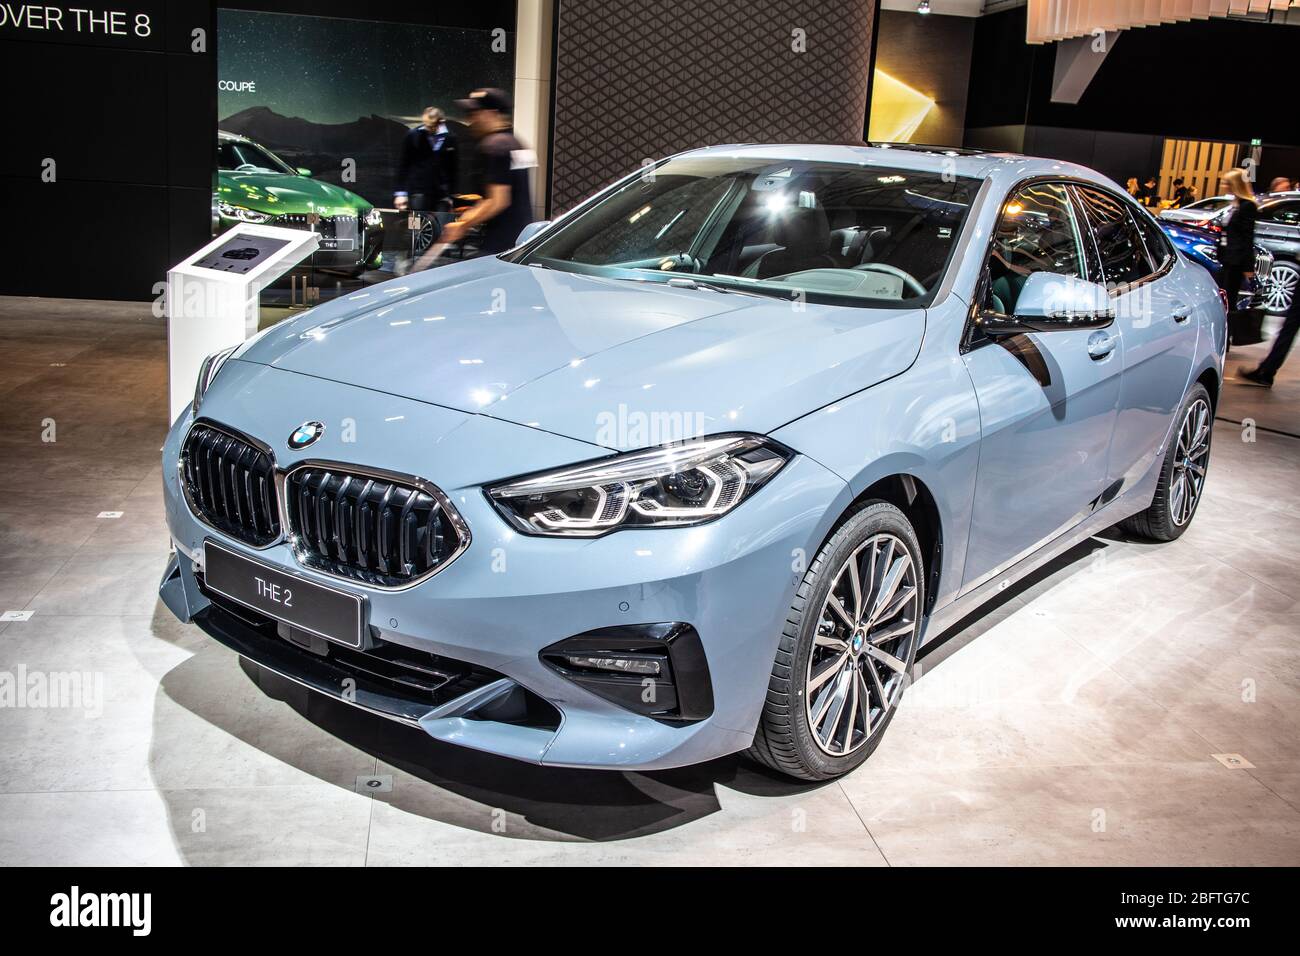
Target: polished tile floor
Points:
(1075, 723)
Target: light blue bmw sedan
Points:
(698, 467)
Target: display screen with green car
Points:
(254, 185)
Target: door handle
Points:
(1100, 344)
(1182, 313)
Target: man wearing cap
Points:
(506, 164)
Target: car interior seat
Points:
(805, 239)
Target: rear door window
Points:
(1123, 252)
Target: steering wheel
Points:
(909, 280)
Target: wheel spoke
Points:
(886, 658)
(892, 632)
(832, 721)
(1176, 494)
(879, 687)
(827, 671)
(851, 712)
(855, 582)
(831, 641)
(889, 585)
(818, 713)
(904, 598)
(864, 696)
(834, 603)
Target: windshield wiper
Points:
(690, 282)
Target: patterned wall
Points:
(640, 79)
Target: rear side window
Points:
(1284, 213)
(1119, 240)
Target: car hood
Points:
(617, 363)
(282, 193)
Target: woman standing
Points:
(1237, 244)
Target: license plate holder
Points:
(319, 609)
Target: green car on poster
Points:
(255, 185)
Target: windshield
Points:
(829, 232)
(1209, 205)
(235, 156)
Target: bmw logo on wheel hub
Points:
(306, 434)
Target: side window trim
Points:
(1092, 252)
(1133, 211)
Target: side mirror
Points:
(303, 171)
(1053, 303)
(530, 230)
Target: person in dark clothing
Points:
(427, 167)
(1268, 369)
(505, 165)
(1149, 194)
(1237, 243)
(1182, 195)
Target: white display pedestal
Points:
(212, 297)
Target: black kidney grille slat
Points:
(230, 485)
(368, 529)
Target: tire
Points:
(820, 741)
(1169, 514)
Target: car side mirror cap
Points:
(1053, 303)
(530, 230)
(304, 171)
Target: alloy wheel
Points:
(1190, 459)
(426, 235)
(1281, 287)
(865, 638)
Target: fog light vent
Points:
(658, 670)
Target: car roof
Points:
(223, 136)
(977, 164)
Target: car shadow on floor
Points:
(557, 803)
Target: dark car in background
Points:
(1277, 230)
(1201, 245)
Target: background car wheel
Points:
(1182, 476)
(1281, 286)
(847, 648)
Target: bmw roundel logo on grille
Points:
(305, 434)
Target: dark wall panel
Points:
(1203, 79)
(127, 119)
(84, 240)
(641, 79)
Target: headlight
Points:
(671, 486)
(208, 371)
(242, 213)
(374, 218)
(1209, 252)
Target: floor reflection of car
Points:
(698, 467)
(1202, 247)
(1277, 229)
(255, 185)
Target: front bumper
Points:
(508, 597)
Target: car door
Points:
(1278, 226)
(1155, 314)
(1047, 401)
